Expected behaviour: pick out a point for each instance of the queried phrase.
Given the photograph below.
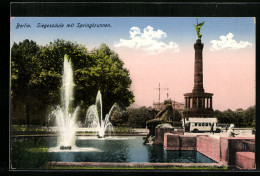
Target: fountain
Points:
(94, 117)
(92, 149)
(64, 115)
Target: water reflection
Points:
(181, 157)
(202, 158)
(118, 149)
(156, 154)
(113, 150)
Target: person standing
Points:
(231, 132)
(212, 128)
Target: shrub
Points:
(137, 117)
(124, 130)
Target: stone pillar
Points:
(198, 67)
(198, 103)
(194, 102)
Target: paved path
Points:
(242, 133)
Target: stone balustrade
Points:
(245, 160)
(232, 151)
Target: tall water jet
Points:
(64, 114)
(94, 117)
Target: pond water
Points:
(120, 149)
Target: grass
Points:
(30, 130)
(41, 130)
(37, 150)
(29, 154)
(124, 130)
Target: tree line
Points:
(239, 117)
(137, 117)
(36, 73)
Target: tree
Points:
(119, 117)
(137, 117)
(249, 116)
(37, 72)
(23, 66)
(239, 117)
(228, 116)
(48, 77)
(106, 74)
(219, 115)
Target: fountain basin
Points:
(65, 147)
(117, 149)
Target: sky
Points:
(160, 50)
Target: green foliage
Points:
(29, 154)
(119, 117)
(240, 117)
(50, 67)
(106, 74)
(249, 116)
(23, 66)
(29, 129)
(137, 117)
(36, 79)
(123, 130)
(133, 117)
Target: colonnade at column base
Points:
(195, 112)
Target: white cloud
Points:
(227, 42)
(149, 40)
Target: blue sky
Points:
(179, 30)
(161, 50)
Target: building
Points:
(178, 106)
(158, 106)
(175, 105)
